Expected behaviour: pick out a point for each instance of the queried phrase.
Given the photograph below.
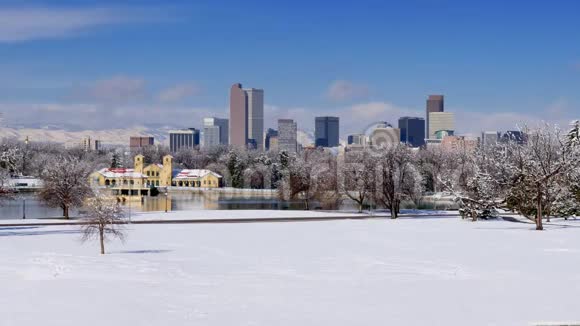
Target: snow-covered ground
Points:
(422, 271)
(237, 214)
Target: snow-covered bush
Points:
(65, 183)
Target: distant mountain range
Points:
(65, 135)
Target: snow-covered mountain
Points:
(66, 135)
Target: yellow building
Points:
(141, 178)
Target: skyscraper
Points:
(215, 132)
(435, 103)
(440, 121)
(287, 135)
(238, 116)
(412, 131)
(180, 139)
(256, 116)
(326, 131)
(246, 117)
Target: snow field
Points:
(355, 272)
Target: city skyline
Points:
(107, 66)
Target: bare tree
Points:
(357, 176)
(65, 183)
(104, 219)
(309, 177)
(399, 179)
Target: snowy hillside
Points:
(428, 271)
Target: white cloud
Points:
(31, 23)
(344, 90)
(117, 89)
(179, 92)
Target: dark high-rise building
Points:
(179, 139)
(138, 142)
(435, 103)
(270, 133)
(412, 131)
(238, 116)
(326, 131)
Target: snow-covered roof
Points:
(194, 174)
(121, 173)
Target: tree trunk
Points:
(307, 204)
(102, 240)
(539, 225)
(65, 211)
(395, 208)
(360, 207)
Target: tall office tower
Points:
(490, 137)
(180, 139)
(246, 117)
(412, 131)
(287, 135)
(238, 116)
(139, 142)
(440, 121)
(435, 103)
(270, 133)
(326, 131)
(256, 116)
(215, 131)
(356, 139)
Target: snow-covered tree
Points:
(104, 219)
(358, 176)
(8, 162)
(65, 183)
(538, 165)
(399, 179)
(236, 164)
(310, 177)
(116, 161)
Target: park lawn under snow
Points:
(425, 271)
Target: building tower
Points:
(139, 163)
(166, 173)
(255, 104)
(440, 121)
(215, 132)
(326, 131)
(412, 131)
(435, 103)
(238, 116)
(246, 117)
(287, 135)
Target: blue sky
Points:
(172, 62)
